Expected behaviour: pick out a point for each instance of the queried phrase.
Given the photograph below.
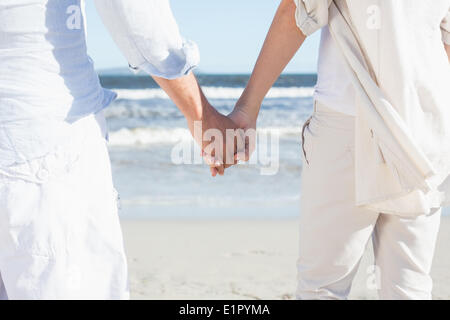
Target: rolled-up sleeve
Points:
(311, 15)
(445, 28)
(148, 36)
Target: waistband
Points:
(331, 118)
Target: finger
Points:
(220, 170)
(248, 150)
(247, 153)
(240, 146)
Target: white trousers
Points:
(334, 232)
(60, 236)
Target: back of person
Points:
(47, 80)
(403, 42)
(403, 45)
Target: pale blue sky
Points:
(229, 33)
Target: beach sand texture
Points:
(220, 259)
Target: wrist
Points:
(199, 113)
(250, 102)
(248, 107)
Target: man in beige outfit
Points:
(377, 147)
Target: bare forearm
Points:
(282, 42)
(187, 95)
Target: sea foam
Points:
(149, 136)
(215, 93)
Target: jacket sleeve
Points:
(311, 15)
(445, 28)
(148, 36)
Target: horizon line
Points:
(126, 71)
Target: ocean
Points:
(145, 130)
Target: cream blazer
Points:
(398, 65)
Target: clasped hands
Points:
(225, 140)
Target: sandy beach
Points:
(220, 259)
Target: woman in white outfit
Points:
(377, 147)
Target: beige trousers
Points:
(334, 232)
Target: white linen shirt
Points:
(47, 79)
(396, 61)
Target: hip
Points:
(329, 133)
(58, 157)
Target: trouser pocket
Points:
(305, 127)
(327, 135)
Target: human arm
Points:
(148, 36)
(189, 98)
(282, 42)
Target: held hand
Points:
(246, 121)
(216, 135)
(207, 126)
(221, 142)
